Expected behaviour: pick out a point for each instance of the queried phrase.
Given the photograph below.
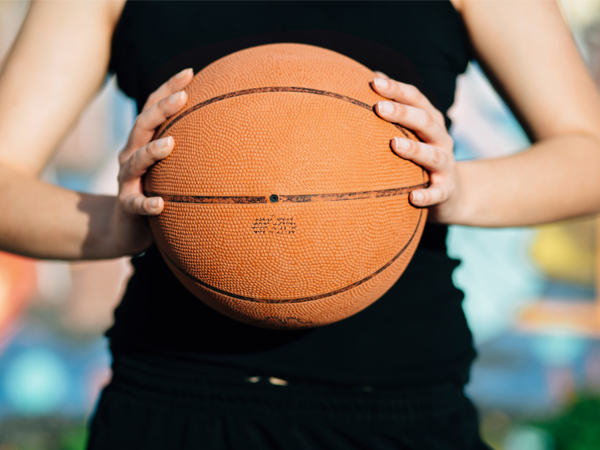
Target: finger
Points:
(141, 205)
(430, 196)
(406, 94)
(415, 119)
(174, 84)
(427, 156)
(139, 163)
(147, 122)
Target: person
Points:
(390, 377)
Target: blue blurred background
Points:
(531, 296)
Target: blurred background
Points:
(531, 293)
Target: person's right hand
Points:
(129, 225)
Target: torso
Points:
(416, 333)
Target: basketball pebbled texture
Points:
(285, 206)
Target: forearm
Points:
(45, 221)
(555, 179)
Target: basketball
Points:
(285, 206)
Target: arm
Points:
(57, 64)
(528, 52)
(42, 91)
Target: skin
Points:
(540, 74)
(536, 68)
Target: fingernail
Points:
(154, 203)
(417, 197)
(385, 107)
(176, 97)
(401, 143)
(381, 83)
(183, 73)
(164, 142)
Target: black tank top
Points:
(416, 333)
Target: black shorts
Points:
(169, 408)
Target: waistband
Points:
(239, 390)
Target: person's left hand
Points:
(411, 109)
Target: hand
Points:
(129, 225)
(411, 109)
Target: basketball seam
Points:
(268, 89)
(302, 198)
(296, 300)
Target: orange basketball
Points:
(285, 206)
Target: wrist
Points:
(101, 240)
(455, 210)
(129, 233)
